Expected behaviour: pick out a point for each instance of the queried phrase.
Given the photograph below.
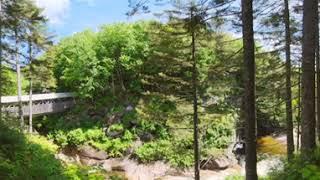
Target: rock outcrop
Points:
(91, 153)
(219, 163)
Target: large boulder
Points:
(146, 137)
(89, 161)
(106, 165)
(113, 164)
(92, 153)
(67, 159)
(114, 134)
(219, 163)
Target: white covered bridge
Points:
(41, 103)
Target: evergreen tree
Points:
(1, 24)
(37, 40)
(19, 17)
(249, 89)
(317, 58)
(310, 13)
(290, 142)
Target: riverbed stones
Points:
(219, 163)
(91, 153)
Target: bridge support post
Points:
(30, 106)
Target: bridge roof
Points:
(36, 97)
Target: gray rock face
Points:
(216, 163)
(91, 153)
(145, 137)
(65, 158)
(89, 162)
(129, 108)
(114, 134)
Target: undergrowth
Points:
(300, 168)
(33, 157)
(155, 121)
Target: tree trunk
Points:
(318, 79)
(240, 129)
(113, 88)
(290, 142)
(0, 59)
(30, 106)
(310, 10)
(20, 112)
(241, 122)
(30, 88)
(299, 110)
(195, 103)
(249, 85)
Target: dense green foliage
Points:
(300, 168)
(132, 64)
(95, 137)
(9, 83)
(136, 83)
(23, 36)
(132, 60)
(154, 121)
(92, 63)
(32, 157)
(178, 153)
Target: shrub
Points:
(116, 127)
(94, 134)
(299, 168)
(158, 130)
(156, 108)
(27, 157)
(76, 137)
(59, 137)
(153, 151)
(96, 137)
(177, 153)
(32, 157)
(76, 172)
(219, 132)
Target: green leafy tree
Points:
(78, 66)
(97, 63)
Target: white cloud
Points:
(54, 10)
(57, 10)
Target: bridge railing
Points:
(36, 97)
(41, 103)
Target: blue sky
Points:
(70, 16)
